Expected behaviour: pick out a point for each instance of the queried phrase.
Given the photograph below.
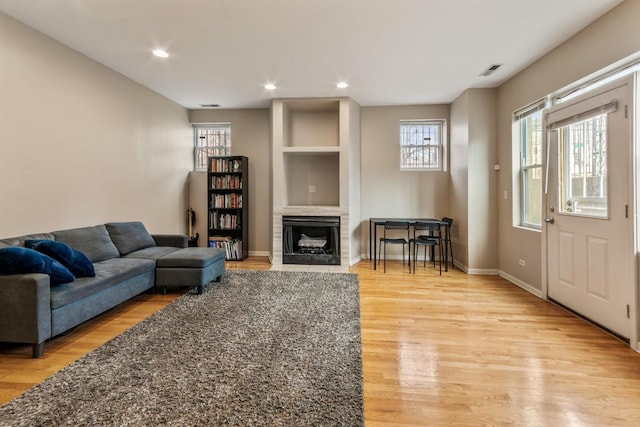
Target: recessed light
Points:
(270, 86)
(160, 53)
(342, 85)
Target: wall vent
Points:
(490, 70)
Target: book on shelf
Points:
(226, 182)
(226, 165)
(232, 246)
(226, 201)
(224, 221)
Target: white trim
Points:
(478, 271)
(519, 283)
(260, 253)
(356, 260)
(483, 272)
(211, 125)
(634, 336)
(529, 109)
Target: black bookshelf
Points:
(227, 188)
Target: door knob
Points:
(549, 220)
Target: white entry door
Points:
(588, 225)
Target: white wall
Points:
(82, 145)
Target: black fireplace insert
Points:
(311, 240)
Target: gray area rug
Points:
(258, 349)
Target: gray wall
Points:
(458, 191)
(249, 137)
(482, 201)
(472, 191)
(611, 38)
(385, 190)
(81, 145)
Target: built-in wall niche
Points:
(312, 179)
(316, 167)
(311, 123)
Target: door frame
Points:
(633, 197)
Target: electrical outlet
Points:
(522, 262)
(312, 189)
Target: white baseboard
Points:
(355, 261)
(260, 253)
(521, 284)
(478, 271)
(482, 271)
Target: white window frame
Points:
(405, 142)
(217, 137)
(522, 217)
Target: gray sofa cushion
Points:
(94, 242)
(108, 273)
(19, 241)
(153, 253)
(130, 236)
(192, 258)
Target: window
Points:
(421, 144)
(211, 140)
(583, 160)
(528, 133)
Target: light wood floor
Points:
(455, 350)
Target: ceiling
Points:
(399, 52)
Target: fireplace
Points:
(311, 240)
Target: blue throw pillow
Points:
(78, 263)
(19, 260)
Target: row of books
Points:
(224, 221)
(228, 201)
(233, 247)
(226, 182)
(226, 165)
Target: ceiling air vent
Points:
(490, 70)
(209, 105)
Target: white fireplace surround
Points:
(316, 168)
(314, 211)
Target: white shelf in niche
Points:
(311, 150)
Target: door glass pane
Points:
(583, 167)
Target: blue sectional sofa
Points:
(124, 257)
